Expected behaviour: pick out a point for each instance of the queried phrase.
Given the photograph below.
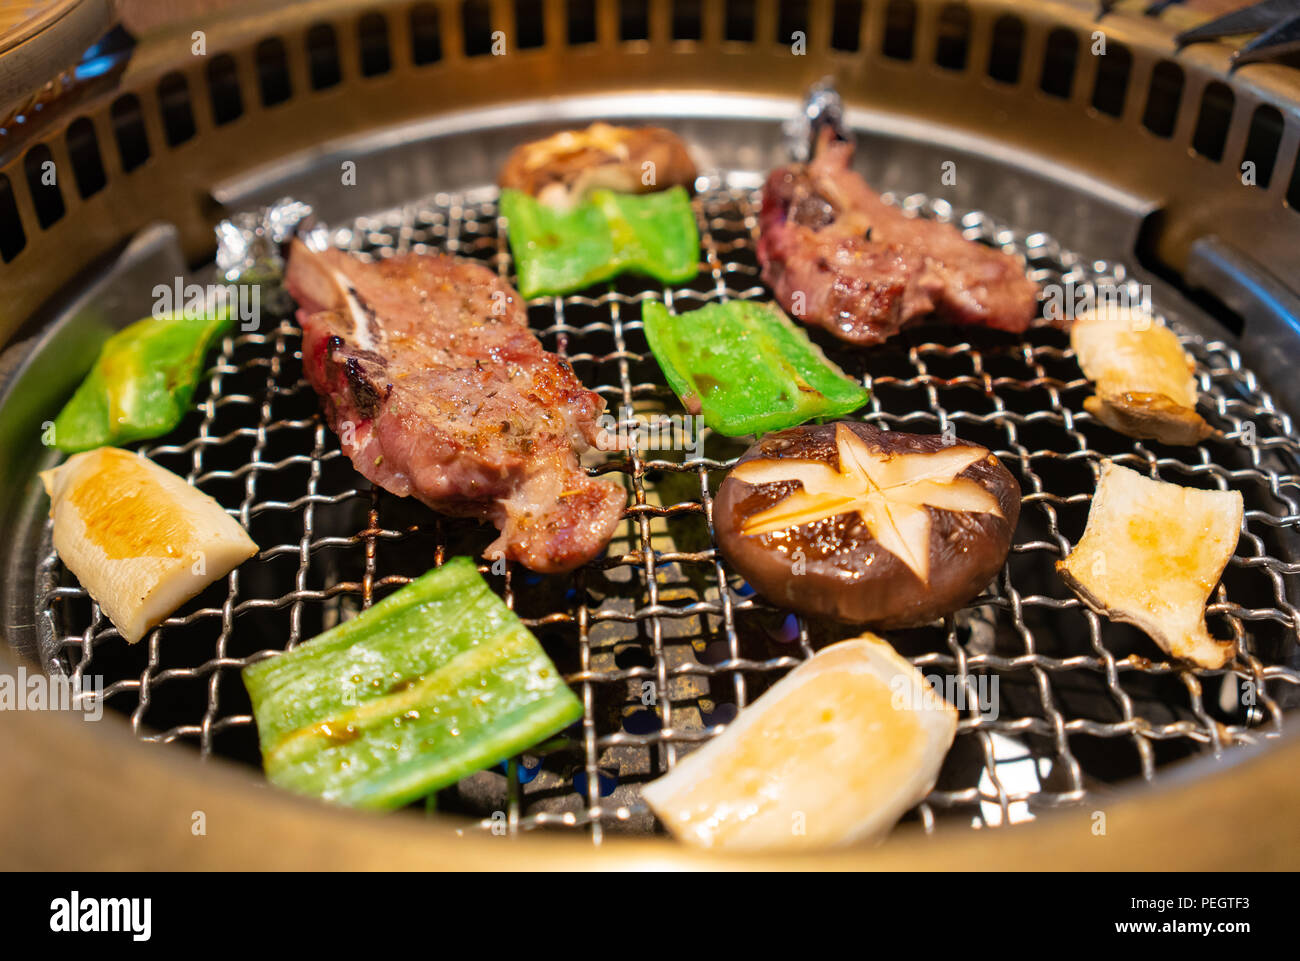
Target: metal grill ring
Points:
(661, 639)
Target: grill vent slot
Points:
(846, 25)
(1262, 142)
(1113, 70)
(323, 56)
(952, 44)
(476, 25)
(739, 25)
(1058, 63)
(1214, 120)
(900, 25)
(174, 104)
(12, 238)
(581, 15)
(223, 87)
(739, 20)
(1007, 50)
(273, 72)
(1163, 98)
(373, 35)
(530, 25)
(634, 20)
(792, 18)
(46, 197)
(426, 35)
(83, 151)
(686, 20)
(128, 126)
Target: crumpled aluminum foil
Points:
(250, 248)
(249, 243)
(822, 106)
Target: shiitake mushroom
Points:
(866, 526)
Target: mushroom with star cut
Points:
(867, 526)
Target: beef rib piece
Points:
(837, 256)
(438, 390)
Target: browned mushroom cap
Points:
(865, 526)
(561, 169)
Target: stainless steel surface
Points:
(1083, 702)
(1091, 712)
(1269, 307)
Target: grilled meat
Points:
(560, 170)
(837, 256)
(438, 390)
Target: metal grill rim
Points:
(467, 224)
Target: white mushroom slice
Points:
(835, 752)
(1150, 555)
(1145, 383)
(140, 539)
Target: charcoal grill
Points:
(1122, 169)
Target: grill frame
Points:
(179, 180)
(468, 225)
(173, 179)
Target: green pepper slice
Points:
(558, 252)
(433, 683)
(747, 368)
(142, 382)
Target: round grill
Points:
(661, 639)
(1079, 701)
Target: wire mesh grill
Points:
(662, 641)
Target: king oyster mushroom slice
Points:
(1151, 554)
(1145, 381)
(835, 752)
(867, 526)
(140, 539)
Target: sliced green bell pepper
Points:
(141, 383)
(558, 252)
(433, 683)
(747, 368)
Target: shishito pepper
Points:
(558, 252)
(142, 382)
(431, 684)
(746, 368)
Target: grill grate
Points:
(661, 640)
